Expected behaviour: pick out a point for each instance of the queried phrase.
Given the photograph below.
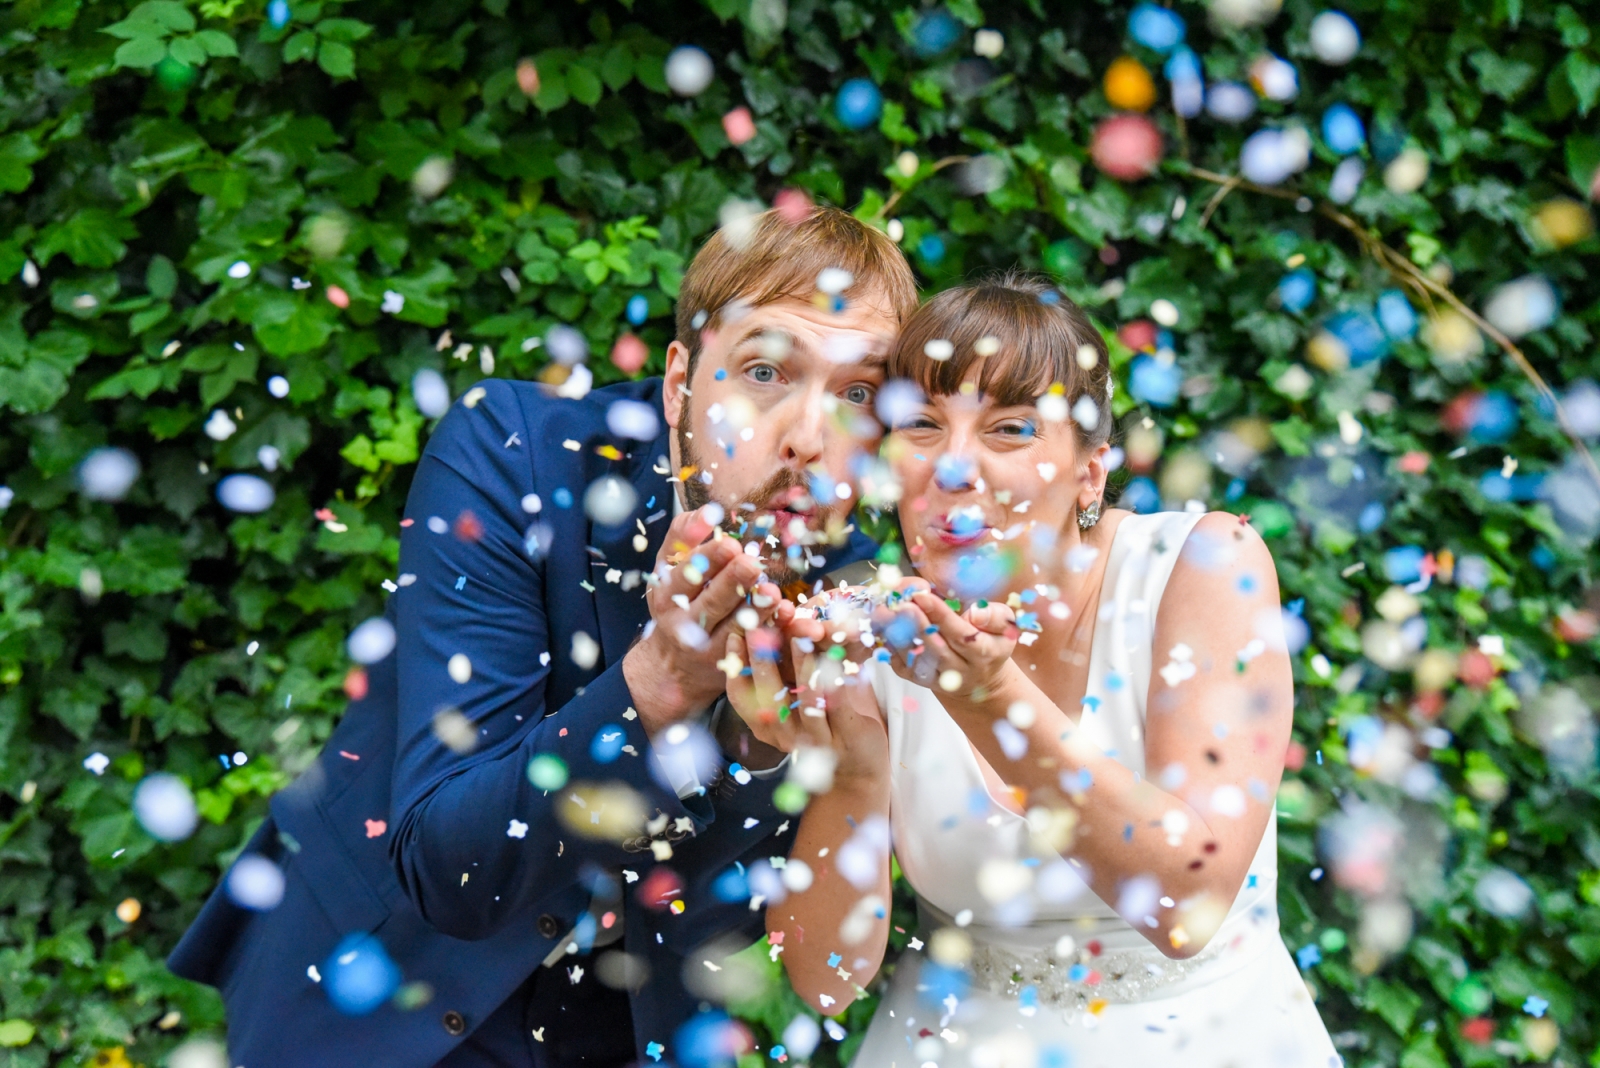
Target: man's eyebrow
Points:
(756, 332)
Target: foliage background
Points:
(139, 159)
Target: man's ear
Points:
(674, 381)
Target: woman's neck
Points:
(1064, 644)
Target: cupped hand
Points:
(700, 582)
(964, 656)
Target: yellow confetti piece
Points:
(677, 908)
(610, 452)
(1097, 1006)
(128, 911)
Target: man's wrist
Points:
(657, 697)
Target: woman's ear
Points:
(1096, 471)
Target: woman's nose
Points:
(954, 472)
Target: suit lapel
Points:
(622, 612)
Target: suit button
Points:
(454, 1022)
(549, 926)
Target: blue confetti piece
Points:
(1535, 1005)
(1028, 997)
(834, 959)
(638, 309)
(358, 975)
(1309, 955)
(1091, 703)
(1251, 882)
(1297, 606)
(654, 1051)
(607, 744)
(651, 503)
(1247, 584)
(1127, 832)
(1077, 973)
(931, 248)
(720, 375)
(278, 13)
(461, 582)
(562, 497)
(778, 1053)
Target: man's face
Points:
(780, 407)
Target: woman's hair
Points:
(1039, 335)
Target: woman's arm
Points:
(812, 926)
(1214, 746)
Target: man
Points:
(492, 811)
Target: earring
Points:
(1088, 517)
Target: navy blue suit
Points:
(394, 833)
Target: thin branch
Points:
(1416, 280)
(938, 166)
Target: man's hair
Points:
(772, 257)
(1037, 333)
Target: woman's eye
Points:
(1022, 429)
(859, 394)
(764, 373)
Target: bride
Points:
(1071, 723)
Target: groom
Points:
(489, 833)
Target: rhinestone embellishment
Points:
(1118, 977)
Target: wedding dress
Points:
(1056, 978)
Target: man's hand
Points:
(699, 585)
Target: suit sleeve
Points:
(475, 841)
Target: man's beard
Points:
(698, 494)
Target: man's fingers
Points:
(722, 593)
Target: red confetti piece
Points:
(324, 514)
(793, 205)
(1295, 758)
(348, 756)
(563, 732)
(338, 297)
(629, 354)
(468, 526)
(1475, 669)
(660, 888)
(738, 125)
(355, 683)
(1414, 462)
(1478, 1030)
(527, 77)
(407, 522)
(1138, 335)
(376, 827)
(1127, 147)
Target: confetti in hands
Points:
(964, 654)
(821, 702)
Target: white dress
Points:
(1118, 1003)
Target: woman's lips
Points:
(946, 536)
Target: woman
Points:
(1078, 765)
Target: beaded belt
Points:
(1120, 976)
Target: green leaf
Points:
(893, 124)
(301, 46)
(1397, 1004)
(91, 237)
(345, 30)
(17, 154)
(584, 85)
(217, 44)
(161, 277)
(286, 325)
(1584, 74)
(186, 50)
(170, 13)
(724, 9)
(336, 59)
(141, 53)
(14, 1033)
(616, 67)
(1502, 77)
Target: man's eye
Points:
(763, 373)
(858, 395)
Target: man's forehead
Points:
(805, 320)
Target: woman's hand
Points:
(965, 657)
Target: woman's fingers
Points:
(992, 617)
(951, 626)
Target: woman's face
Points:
(977, 474)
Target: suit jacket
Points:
(462, 867)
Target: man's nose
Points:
(803, 432)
